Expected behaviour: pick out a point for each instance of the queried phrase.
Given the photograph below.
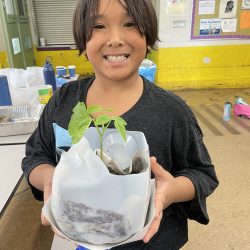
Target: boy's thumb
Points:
(155, 167)
(44, 220)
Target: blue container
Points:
(64, 71)
(72, 70)
(49, 73)
(148, 72)
(81, 248)
(60, 71)
(60, 81)
(5, 99)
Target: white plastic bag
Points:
(94, 207)
(18, 78)
(34, 76)
(24, 85)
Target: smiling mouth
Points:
(118, 58)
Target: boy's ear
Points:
(148, 50)
(85, 54)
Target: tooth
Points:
(116, 58)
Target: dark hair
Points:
(142, 11)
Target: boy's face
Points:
(116, 48)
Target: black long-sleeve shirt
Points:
(174, 138)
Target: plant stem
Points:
(100, 134)
(101, 146)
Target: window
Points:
(20, 7)
(53, 21)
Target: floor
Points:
(229, 147)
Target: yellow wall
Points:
(65, 58)
(3, 60)
(183, 68)
(177, 68)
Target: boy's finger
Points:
(158, 206)
(154, 227)
(46, 193)
(157, 169)
(44, 221)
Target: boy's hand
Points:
(46, 195)
(169, 189)
(163, 196)
(47, 188)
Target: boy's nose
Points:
(115, 39)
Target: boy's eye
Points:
(129, 24)
(99, 26)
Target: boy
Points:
(116, 35)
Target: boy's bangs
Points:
(141, 11)
(91, 13)
(131, 7)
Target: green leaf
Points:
(80, 111)
(120, 126)
(80, 108)
(94, 109)
(120, 120)
(76, 138)
(73, 125)
(102, 120)
(80, 130)
(75, 120)
(79, 122)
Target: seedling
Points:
(81, 120)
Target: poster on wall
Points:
(210, 26)
(230, 20)
(206, 7)
(246, 4)
(176, 6)
(245, 20)
(228, 9)
(229, 25)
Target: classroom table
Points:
(12, 149)
(14, 140)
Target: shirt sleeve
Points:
(193, 161)
(40, 147)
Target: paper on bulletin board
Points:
(246, 4)
(228, 9)
(176, 6)
(245, 20)
(206, 7)
(210, 26)
(229, 25)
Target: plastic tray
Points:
(22, 119)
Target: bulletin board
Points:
(220, 19)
